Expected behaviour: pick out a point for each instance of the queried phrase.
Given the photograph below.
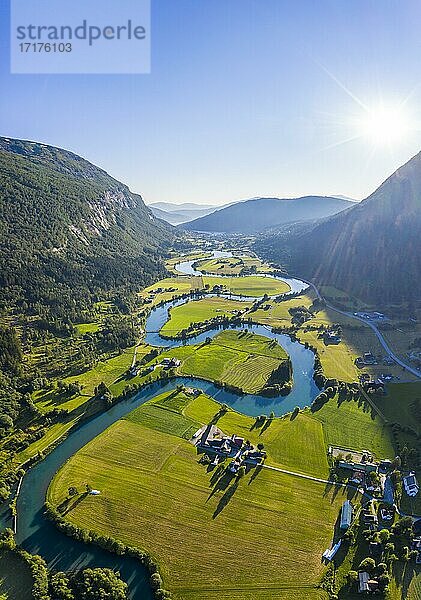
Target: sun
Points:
(384, 124)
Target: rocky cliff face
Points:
(69, 220)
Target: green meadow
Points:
(157, 496)
(254, 285)
(197, 311)
(244, 360)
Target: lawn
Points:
(232, 265)
(166, 414)
(277, 314)
(354, 425)
(197, 311)
(171, 287)
(259, 538)
(15, 577)
(253, 285)
(233, 357)
(83, 328)
(402, 404)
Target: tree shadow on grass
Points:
(256, 471)
(222, 483)
(216, 475)
(225, 498)
(328, 488)
(267, 424)
(70, 503)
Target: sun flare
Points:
(384, 124)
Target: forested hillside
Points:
(372, 250)
(75, 247)
(69, 230)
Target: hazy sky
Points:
(246, 98)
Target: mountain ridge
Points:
(371, 250)
(256, 214)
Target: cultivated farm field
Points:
(155, 495)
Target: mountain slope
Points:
(372, 250)
(69, 228)
(257, 214)
(181, 216)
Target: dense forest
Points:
(69, 231)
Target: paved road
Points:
(337, 483)
(302, 475)
(379, 335)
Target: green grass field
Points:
(171, 287)
(165, 414)
(15, 577)
(277, 314)
(200, 310)
(231, 265)
(355, 425)
(402, 404)
(254, 285)
(259, 538)
(243, 360)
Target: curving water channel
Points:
(37, 535)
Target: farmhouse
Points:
(367, 359)
(365, 467)
(330, 553)
(331, 337)
(212, 439)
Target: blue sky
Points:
(245, 98)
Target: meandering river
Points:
(37, 535)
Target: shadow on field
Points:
(225, 499)
(256, 471)
(267, 424)
(221, 484)
(70, 503)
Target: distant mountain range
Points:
(180, 213)
(372, 250)
(255, 215)
(67, 228)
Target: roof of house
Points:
(411, 485)
(346, 514)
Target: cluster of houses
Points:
(211, 440)
(361, 470)
(367, 359)
(331, 337)
(170, 363)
